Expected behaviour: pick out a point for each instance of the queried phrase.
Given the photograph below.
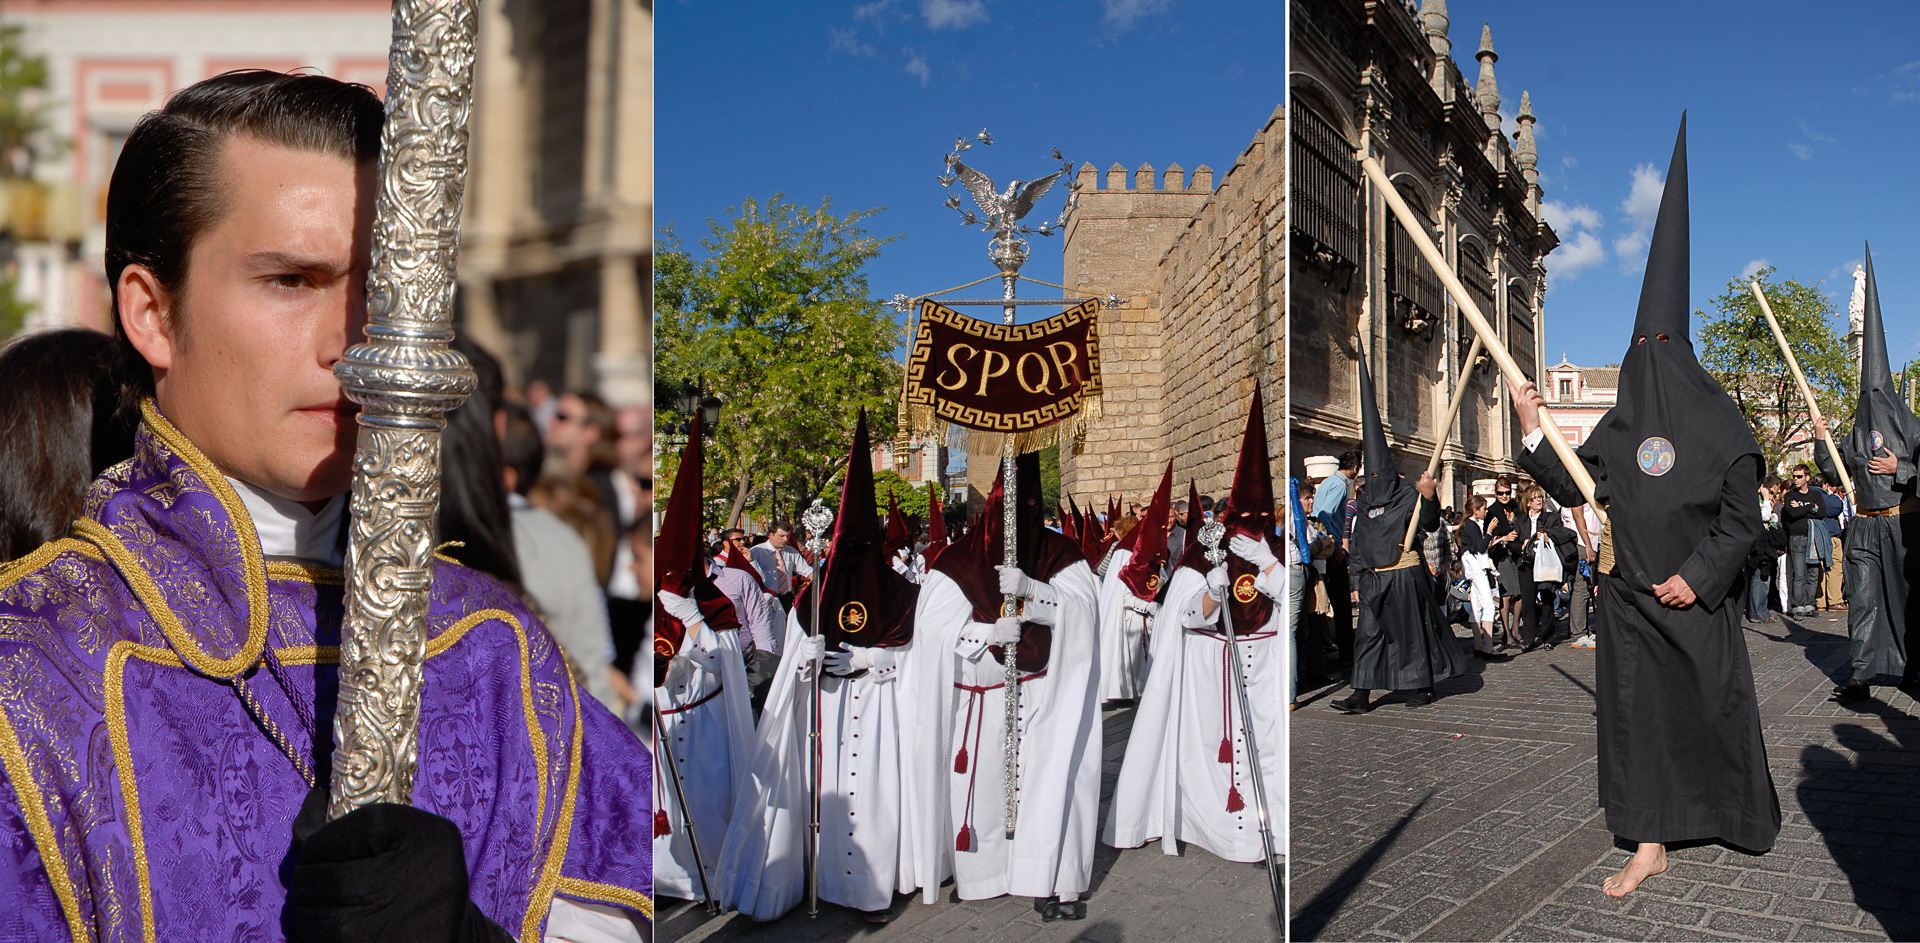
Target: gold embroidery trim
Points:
(252, 564)
(37, 559)
(599, 893)
(32, 805)
(163, 615)
(297, 654)
(543, 891)
(129, 784)
(303, 573)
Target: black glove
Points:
(381, 872)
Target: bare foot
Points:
(1649, 860)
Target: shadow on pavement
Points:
(1868, 811)
(1314, 916)
(1582, 685)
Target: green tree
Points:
(1738, 349)
(24, 109)
(775, 320)
(912, 498)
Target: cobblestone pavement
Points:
(1137, 896)
(1476, 818)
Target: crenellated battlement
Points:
(1144, 179)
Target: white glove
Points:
(1253, 551)
(680, 607)
(1017, 583)
(1013, 582)
(1006, 630)
(901, 564)
(808, 650)
(852, 658)
(1217, 582)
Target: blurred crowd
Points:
(549, 491)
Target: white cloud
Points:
(1643, 198)
(1800, 150)
(872, 11)
(1563, 217)
(952, 14)
(848, 41)
(1631, 250)
(917, 66)
(1121, 15)
(1642, 206)
(1752, 268)
(1583, 251)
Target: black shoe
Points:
(1420, 699)
(1355, 703)
(1853, 691)
(1051, 909)
(884, 915)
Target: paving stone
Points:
(1387, 802)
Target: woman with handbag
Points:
(1542, 566)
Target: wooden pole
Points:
(1446, 428)
(1806, 392)
(1417, 229)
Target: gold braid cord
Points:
(405, 379)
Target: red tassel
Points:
(660, 825)
(960, 761)
(964, 842)
(1226, 749)
(1234, 802)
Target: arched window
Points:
(1325, 216)
(1411, 283)
(1476, 276)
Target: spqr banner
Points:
(1022, 379)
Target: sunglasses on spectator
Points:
(1502, 493)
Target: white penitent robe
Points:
(706, 721)
(1172, 784)
(1124, 619)
(1051, 852)
(762, 868)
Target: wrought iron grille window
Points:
(1410, 280)
(1478, 279)
(1326, 188)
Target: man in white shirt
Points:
(780, 563)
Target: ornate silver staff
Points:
(1008, 251)
(818, 520)
(1213, 536)
(406, 380)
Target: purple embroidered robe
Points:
(141, 800)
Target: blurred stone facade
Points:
(556, 247)
(1379, 78)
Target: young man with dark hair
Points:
(169, 685)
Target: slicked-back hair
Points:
(58, 429)
(168, 189)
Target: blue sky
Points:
(862, 101)
(1802, 127)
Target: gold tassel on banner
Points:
(939, 385)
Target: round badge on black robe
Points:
(853, 618)
(1656, 456)
(1879, 442)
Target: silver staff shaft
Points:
(680, 796)
(816, 519)
(813, 768)
(1253, 764)
(405, 379)
(1010, 605)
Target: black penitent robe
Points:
(1681, 753)
(1401, 640)
(1880, 569)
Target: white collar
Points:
(289, 531)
